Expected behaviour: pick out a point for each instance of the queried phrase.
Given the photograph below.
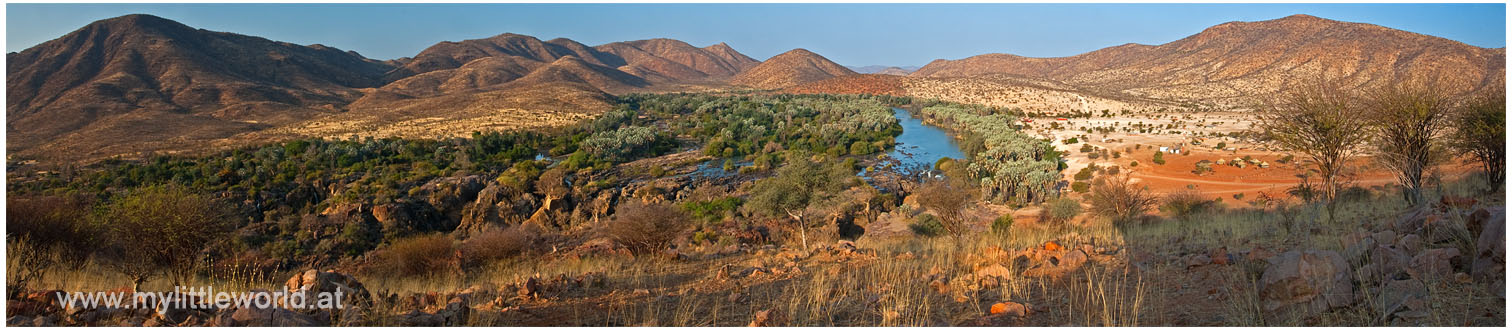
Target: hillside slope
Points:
(794, 67)
(1240, 62)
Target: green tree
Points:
(1481, 128)
(163, 228)
(1323, 123)
(798, 184)
(1405, 120)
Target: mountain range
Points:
(1238, 62)
(140, 83)
(137, 84)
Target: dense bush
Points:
(163, 228)
(54, 222)
(1003, 224)
(646, 228)
(1183, 204)
(422, 255)
(927, 225)
(495, 244)
(1081, 187)
(1118, 198)
(710, 211)
(1061, 210)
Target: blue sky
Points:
(851, 34)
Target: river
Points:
(922, 143)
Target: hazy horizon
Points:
(854, 34)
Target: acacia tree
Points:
(1481, 130)
(1322, 122)
(798, 184)
(163, 228)
(1405, 120)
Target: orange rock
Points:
(1053, 246)
(1010, 308)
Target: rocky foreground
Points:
(1388, 273)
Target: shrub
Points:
(1159, 158)
(163, 228)
(26, 262)
(1080, 187)
(1117, 197)
(1061, 210)
(495, 244)
(646, 228)
(1085, 173)
(927, 225)
(1202, 168)
(422, 255)
(358, 237)
(1182, 204)
(1003, 224)
(711, 211)
(61, 222)
(947, 199)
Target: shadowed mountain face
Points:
(795, 67)
(113, 76)
(1239, 61)
(141, 83)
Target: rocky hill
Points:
(795, 67)
(1239, 62)
(140, 83)
(143, 82)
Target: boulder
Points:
(769, 317)
(450, 195)
(1412, 243)
(265, 317)
(1442, 229)
(1385, 262)
(1220, 256)
(312, 282)
(420, 318)
(1434, 264)
(1449, 202)
(1305, 283)
(1009, 308)
(405, 217)
(496, 206)
(1359, 251)
(1490, 259)
(1403, 299)
(993, 271)
(1411, 220)
(1196, 260)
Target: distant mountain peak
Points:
(791, 68)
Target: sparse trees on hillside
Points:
(1321, 122)
(1481, 130)
(1406, 120)
(796, 185)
